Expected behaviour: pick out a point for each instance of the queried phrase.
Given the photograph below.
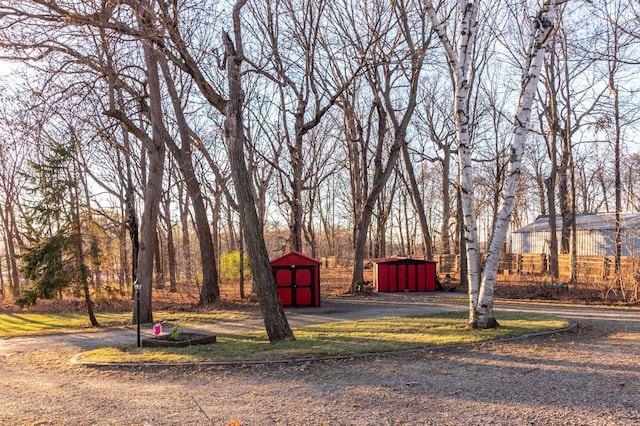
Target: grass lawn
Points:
(338, 339)
(22, 324)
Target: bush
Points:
(28, 297)
(230, 266)
(175, 335)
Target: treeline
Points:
(147, 138)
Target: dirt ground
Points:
(590, 376)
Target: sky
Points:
(5, 71)
(5, 67)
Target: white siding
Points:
(590, 242)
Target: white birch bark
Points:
(481, 286)
(459, 63)
(543, 28)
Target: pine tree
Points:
(55, 260)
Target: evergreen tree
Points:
(55, 260)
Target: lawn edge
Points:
(249, 363)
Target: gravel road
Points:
(590, 376)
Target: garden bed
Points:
(183, 340)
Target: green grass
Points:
(21, 324)
(338, 339)
(17, 324)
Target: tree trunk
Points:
(123, 254)
(553, 245)
(382, 217)
(462, 247)
(171, 247)
(184, 226)
(159, 278)
(357, 281)
(419, 205)
(460, 64)
(83, 271)
(84, 276)
(297, 164)
(9, 227)
(155, 151)
(310, 235)
(357, 174)
(617, 179)
(275, 321)
(210, 290)
(544, 27)
(446, 201)
(131, 216)
(381, 176)
(572, 214)
(241, 266)
(564, 197)
(552, 148)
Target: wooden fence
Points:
(588, 268)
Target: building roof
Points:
(403, 260)
(296, 257)
(588, 221)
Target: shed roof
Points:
(295, 255)
(403, 260)
(588, 221)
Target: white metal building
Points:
(595, 235)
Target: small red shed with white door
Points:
(404, 274)
(298, 279)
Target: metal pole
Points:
(138, 313)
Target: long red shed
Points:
(298, 279)
(404, 274)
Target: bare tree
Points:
(273, 314)
(460, 63)
(396, 56)
(617, 50)
(276, 324)
(210, 291)
(416, 50)
(170, 242)
(158, 27)
(12, 156)
(435, 124)
(302, 62)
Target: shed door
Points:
(296, 285)
(412, 277)
(430, 278)
(402, 277)
(383, 277)
(421, 279)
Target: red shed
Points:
(298, 279)
(404, 274)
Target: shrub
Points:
(28, 297)
(174, 336)
(230, 266)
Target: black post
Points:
(137, 285)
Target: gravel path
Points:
(587, 377)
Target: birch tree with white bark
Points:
(459, 49)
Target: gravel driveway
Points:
(587, 377)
